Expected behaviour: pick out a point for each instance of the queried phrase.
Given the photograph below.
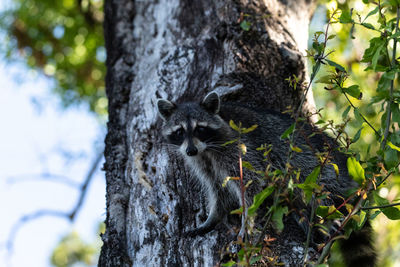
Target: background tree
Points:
(180, 50)
(64, 39)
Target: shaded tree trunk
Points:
(180, 50)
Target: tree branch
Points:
(9, 244)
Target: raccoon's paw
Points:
(200, 231)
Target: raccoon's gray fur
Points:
(197, 131)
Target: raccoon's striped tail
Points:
(358, 250)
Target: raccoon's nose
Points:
(191, 151)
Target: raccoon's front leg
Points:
(214, 217)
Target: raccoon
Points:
(198, 131)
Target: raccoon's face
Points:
(193, 127)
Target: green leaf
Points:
(392, 213)
(245, 25)
(259, 199)
(395, 112)
(393, 146)
(396, 35)
(250, 129)
(373, 12)
(391, 158)
(336, 168)
(247, 165)
(325, 79)
(227, 179)
(296, 149)
(323, 211)
(357, 135)
(331, 36)
(315, 69)
(233, 125)
(229, 142)
(376, 56)
(363, 218)
(354, 91)
(237, 211)
(394, 3)
(229, 263)
(310, 183)
(336, 65)
(345, 17)
(357, 115)
(312, 177)
(368, 26)
(288, 131)
(355, 170)
(376, 213)
(346, 112)
(374, 44)
(277, 217)
(254, 260)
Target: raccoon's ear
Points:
(211, 102)
(165, 108)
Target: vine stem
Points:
(381, 207)
(242, 189)
(387, 176)
(389, 111)
(362, 116)
(309, 232)
(313, 74)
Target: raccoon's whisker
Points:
(214, 150)
(215, 142)
(171, 145)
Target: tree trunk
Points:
(180, 50)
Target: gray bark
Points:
(180, 50)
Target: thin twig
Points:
(380, 207)
(392, 65)
(27, 218)
(85, 185)
(362, 116)
(54, 213)
(387, 176)
(325, 252)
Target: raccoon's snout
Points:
(191, 150)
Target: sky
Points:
(38, 136)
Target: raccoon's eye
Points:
(201, 129)
(179, 132)
(177, 137)
(204, 133)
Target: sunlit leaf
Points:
(277, 217)
(288, 131)
(355, 170)
(329, 212)
(259, 198)
(392, 213)
(336, 65)
(250, 129)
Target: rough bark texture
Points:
(180, 50)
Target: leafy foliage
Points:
(64, 39)
(370, 112)
(72, 250)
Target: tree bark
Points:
(180, 50)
